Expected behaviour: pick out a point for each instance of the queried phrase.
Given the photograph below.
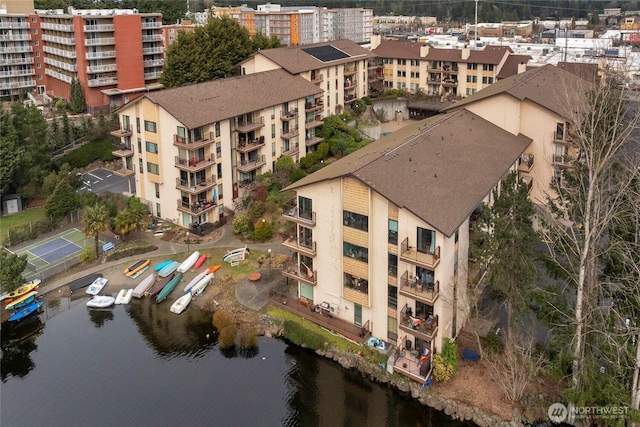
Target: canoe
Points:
(214, 268)
(168, 288)
(21, 301)
(27, 287)
(124, 296)
(188, 263)
(101, 301)
(83, 282)
(169, 269)
(195, 280)
(26, 311)
(144, 286)
(199, 287)
(162, 265)
(200, 261)
(139, 273)
(97, 286)
(181, 303)
(136, 266)
(160, 284)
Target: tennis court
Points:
(55, 250)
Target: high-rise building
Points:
(17, 69)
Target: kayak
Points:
(157, 288)
(162, 265)
(188, 263)
(199, 287)
(27, 287)
(200, 261)
(169, 269)
(26, 311)
(214, 268)
(195, 280)
(22, 301)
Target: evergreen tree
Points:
(11, 154)
(11, 268)
(76, 101)
(62, 201)
(66, 129)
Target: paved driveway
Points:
(100, 180)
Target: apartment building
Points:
(171, 32)
(441, 72)
(192, 148)
(303, 25)
(338, 68)
(17, 63)
(116, 54)
(541, 104)
(382, 236)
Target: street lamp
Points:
(269, 262)
(188, 241)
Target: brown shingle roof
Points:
(510, 66)
(549, 86)
(488, 55)
(295, 60)
(398, 49)
(204, 103)
(440, 169)
(411, 50)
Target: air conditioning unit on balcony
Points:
(335, 308)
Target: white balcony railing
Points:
(154, 63)
(17, 85)
(154, 75)
(61, 64)
(16, 37)
(15, 61)
(57, 39)
(100, 41)
(17, 73)
(102, 68)
(104, 81)
(13, 25)
(18, 48)
(152, 38)
(57, 75)
(152, 50)
(60, 52)
(101, 55)
(99, 28)
(56, 27)
(151, 24)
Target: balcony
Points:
(528, 180)
(450, 83)
(123, 150)
(245, 146)
(350, 99)
(433, 67)
(350, 70)
(152, 50)
(18, 85)
(196, 208)
(124, 170)
(426, 293)
(57, 27)
(425, 329)
(57, 75)
(151, 24)
(60, 64)
(153, 63)
(57, 39)
(124, 130)
(99, 28)
(246, 166)
(317, 78)
(408, 363)
(195, 186)
(17, 48)
(18, 73)
(433, 81)
(307, 248)
(286, 116)
(290, 133)
(246, 126)
(312, 140)
(526, 162)
(192, 143)
(562, 138)
(314, 122)
(562, 160)
(348, 84)
(152, 75)
(101, 68)
(14, 25)
(304, 218)
(300, 274)
(100, 55)
(152, 38)
(302, 307)
(16, 37)
(104, 81)
(291, 150)
(313, 106)
(194, 164)
(477, 272)
(16, 61)
(419, 257)
(447, 69)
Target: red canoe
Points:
(200, 261)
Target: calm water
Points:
(140, 365)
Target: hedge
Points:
(89, 153)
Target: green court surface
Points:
(55, 249)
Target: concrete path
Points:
(250, 294)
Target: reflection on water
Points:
(158, 368)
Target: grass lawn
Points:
(24, 217)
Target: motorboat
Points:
(144, 286)
(189, 262)
(101, 301)
(97, 285)
(181, 303)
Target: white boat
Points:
(101, 301)
(144, 286)
(188, 263)
(181, 303)
(124, 296)
(199, 287)
(97, 285)
(195, 280)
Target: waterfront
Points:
(140, 365)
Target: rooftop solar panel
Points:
(326, 53)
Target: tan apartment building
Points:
(192, 148)
(539, 103)
(441, 72)
(339, 68)
(381, 246)
(17, 59)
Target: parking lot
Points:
(100, 180)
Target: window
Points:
(487, 80)
(151, 147)
(273, 131)
(392, 299)
(181, 135)
(402, 62)
(139, 145)
(487, 67)
(392, 328)
(273, 112)
(38, 65)
(456, 237)
(158, 210)
(472, 79)
(472, 66)
(149, 126)
(37, 54)
(328, 86)
(141, 166)
(393, 265)
(356, 283)
(354, 251)
(36, 42)
(402, 73)
(328, 101)
(157, 190)
(426, 240)
(305, 207)
(219, 166)
(393, 231)
(470, 91)
(273, 153)
(415, 62)
(357, 314)
(354, 220)
(415, 74)
(35, 31)
(153, 168)
(138, 125)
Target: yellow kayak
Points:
(16, 302)
(27, 287)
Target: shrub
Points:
(25, 232)
(285, 163)
(227, 337)
(260, 193)
(301, 336)
(492, 343)
(248, 337)
(222, 319)
(257, 209)
(263, 230)
(366, 100)
(241, 224)
(307, 161)
(90, 152)
(318, 166)
(87, 255)
(444, 364)
(266, 179)
(322, 151)
(297, 175)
